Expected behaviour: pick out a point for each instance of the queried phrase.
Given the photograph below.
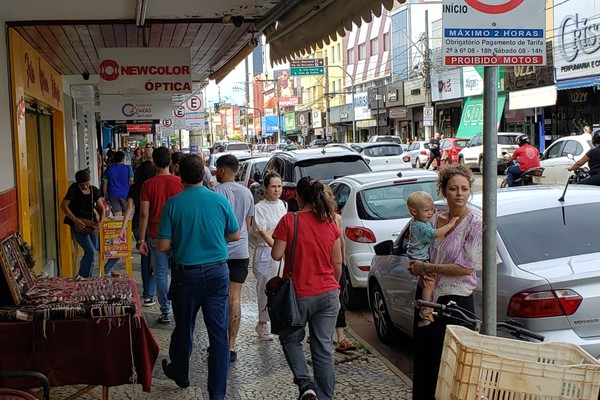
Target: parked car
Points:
(451, 147)
(382, 155)
(561, 154)
(322, 164)
(240, 155)
(472, 154)
(384, 138)
(347, 146)
(373, 208)
(319, 143)
(238, 148)
(249, 169)
(548, 274)
(419, 153)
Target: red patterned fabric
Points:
(11, 394)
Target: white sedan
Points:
(561, 154)
(382, 155)
(373, 209)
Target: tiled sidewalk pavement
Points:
(260, 371)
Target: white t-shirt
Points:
(266, 217)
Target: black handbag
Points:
(281, 296)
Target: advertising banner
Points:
(361, 106)
(289, 122)
(145, 70)
(479, 32)
(115, 107)
(446, 85)
(112, 246)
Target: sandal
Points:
(345, 345)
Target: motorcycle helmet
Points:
(522, 139)
(596, 138)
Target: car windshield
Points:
(389, 202)
(382, 151)
(237, 146)
(509, 139)
(393, 139)
(327, 169)
(461, 143)
(551, 233)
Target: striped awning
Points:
(312, 23)
(578, 83)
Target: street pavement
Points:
(261, 371)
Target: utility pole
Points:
(427, 73)
(327, 127)
(377, 116)
(247, 97)
(277, 89)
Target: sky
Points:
(232, 88)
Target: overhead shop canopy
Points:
(578, 83)
(296, 27)
(471, 122)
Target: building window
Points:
(350, 56)
(374, 47)
(362, 51)
(332, 54)
(386, 41)
(339, 52)
(333, 90)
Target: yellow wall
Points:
(32, 78)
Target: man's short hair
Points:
(161, 157)
(175, 157)
(82, 176)
(229, 162)
(191, 169)
(118, 157)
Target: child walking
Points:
(422, 234)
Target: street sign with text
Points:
(508, 32)
(303, 67)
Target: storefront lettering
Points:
(471, 83)
(55, 89)
(524, 70)
(44, 85)
(30, 71)
(576, 36)
(579, 97)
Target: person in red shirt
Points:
(527, 156)
(317, 267)
(155, 193)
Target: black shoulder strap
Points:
(294, 242)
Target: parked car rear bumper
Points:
(356, 275)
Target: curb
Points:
(377, 354)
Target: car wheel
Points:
(352, 297)
(461, 160)
(381, 317)
(504, 183)
(481, 165)
(418, 164)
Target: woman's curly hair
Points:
(446, 173)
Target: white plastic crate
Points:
(482, 367)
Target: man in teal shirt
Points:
(195, 226)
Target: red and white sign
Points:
(494, 32)
(194, 103)
(139, 128)
(145, 70)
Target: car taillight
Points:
(250, 182)
(288, 193)
(364, 268)
(423, 153)
(360, 235)
(549, 303)
(406, 158)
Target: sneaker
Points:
(308, 394)
(264, 331)
(345, 345)
(164, 319)
(232, 355)
(167, 368)
(149, 302)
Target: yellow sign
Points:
(112, 246)
(38, 79)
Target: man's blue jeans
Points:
(160, 266)
(512, 173)
(89, 244)
(206, 287)
(148, 279)
(321, 314)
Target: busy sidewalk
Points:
(261, 371)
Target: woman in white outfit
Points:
(267, 214)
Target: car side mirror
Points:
(384, 248)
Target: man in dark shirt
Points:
(434, 149)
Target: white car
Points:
(373, 209)
(385, 138)
(419, 153)
(556, 160)
(472, 154)
(382, 155)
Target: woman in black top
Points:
(592, 158)
(84, 201)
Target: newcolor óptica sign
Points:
(145, 71)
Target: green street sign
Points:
(302, 71)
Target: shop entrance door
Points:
(42, 195)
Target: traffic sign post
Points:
(427, 116)
(478, 33)
(304, 67)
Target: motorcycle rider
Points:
(592, 157)
(527, 156)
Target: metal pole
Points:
(490, 175)
(427, 73)
(277, 88)
(326, 97)
(353, 113)
(247, 96)
(377, 116)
